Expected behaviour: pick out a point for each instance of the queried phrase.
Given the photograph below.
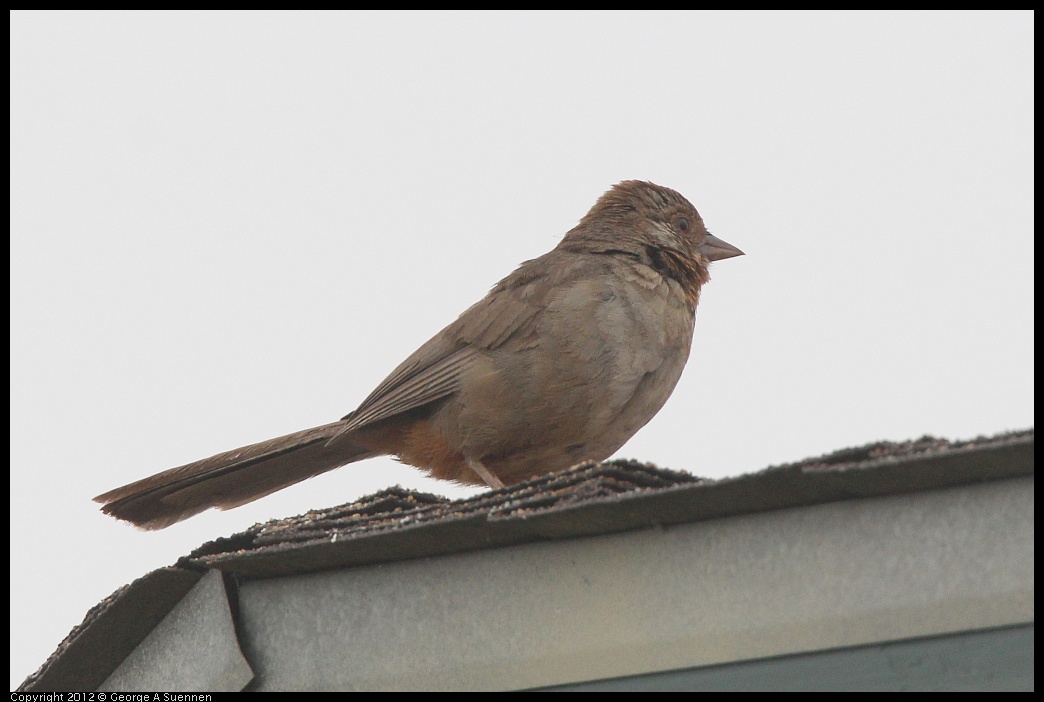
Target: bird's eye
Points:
(682, 224)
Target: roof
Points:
(596, 498)
(398, 525)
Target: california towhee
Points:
(563, 361)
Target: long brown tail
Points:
(231, 478)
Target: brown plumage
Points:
(563, 361)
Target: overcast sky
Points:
(229, 226)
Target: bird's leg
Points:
(483, 472)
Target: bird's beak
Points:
(714, 249)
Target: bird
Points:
(560, 363)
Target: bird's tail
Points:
(231, 478)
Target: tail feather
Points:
(232, 478)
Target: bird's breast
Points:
(610, 350)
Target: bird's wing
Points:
(434, 371)
(431, 373)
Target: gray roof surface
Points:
(398, 524)
(597, 499)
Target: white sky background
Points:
(229, 226)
